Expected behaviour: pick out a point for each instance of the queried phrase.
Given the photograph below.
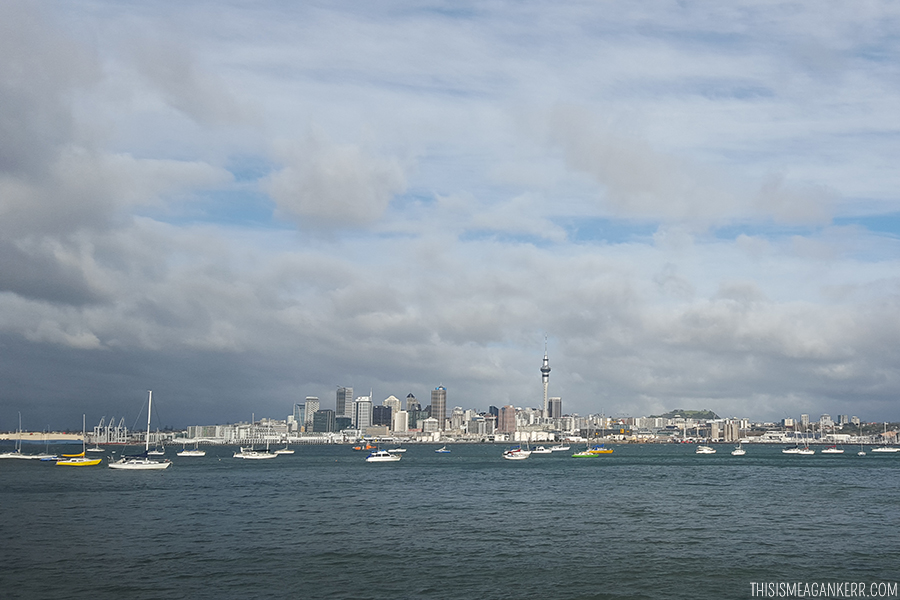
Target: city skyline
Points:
(239, 207)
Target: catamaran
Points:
(142, 462)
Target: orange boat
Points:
(368, 446)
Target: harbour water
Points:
(648, 521)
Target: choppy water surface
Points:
(653, 521)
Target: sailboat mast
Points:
(149, 407)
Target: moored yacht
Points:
(516, 453)
(383, 456)
(705, 450)
(142, 462)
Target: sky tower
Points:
(545, 376)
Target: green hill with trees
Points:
(688, 414)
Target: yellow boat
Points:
(78, 460)
(591, 452)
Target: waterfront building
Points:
(457, 418)
(430, 425)
(400, 422)
(381, 415)
(312, 405)
(804, 420)
(555, 408)
(299, 415)
(362, 412)
(439, 405)
(393, 402)
(507, 422)
(324, 421)
(343, 402)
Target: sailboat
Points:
(142, 462)
(79, 460)
(861, 451)
(285, 450)
(195, 452)
(17, 453)
(738, 450)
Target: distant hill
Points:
(690, 414)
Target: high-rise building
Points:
(343, 402)
(545, 378)
(323, 421)
(299, 415)
(507, 421)
(400, 421)
(393, 402)
(457, 417)
(412, 403)
(804, 420)
(312, 405)
(362, 412)
(555, 408)
(439, 405)
(381, 415)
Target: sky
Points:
(240, 204)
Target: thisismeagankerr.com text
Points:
(845, 589)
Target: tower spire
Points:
(545, 377)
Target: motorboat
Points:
(383, 456)
(832, 450)
(705, 450)
(559, 448)
(284, 450)
(542, 450)
(738, 451)
(794, 450)
(442, 450)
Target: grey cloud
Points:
(334, 185)
(39, 274)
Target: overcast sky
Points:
(238, 205)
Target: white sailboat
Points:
(195, 452)
(17, 453)
(861, 451)
(142, 463)
(738, 450)
(516, 453)
(285, 450)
